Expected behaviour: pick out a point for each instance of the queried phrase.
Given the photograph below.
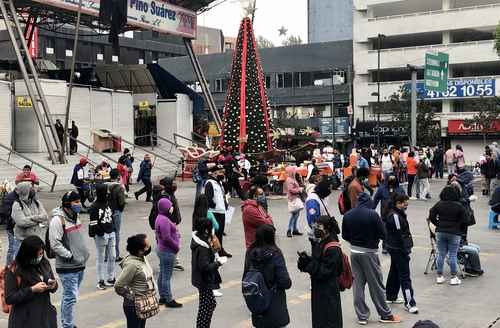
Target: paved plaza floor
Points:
(474, 304)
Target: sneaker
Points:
(217, 293)
(162, 301)
(412, 309)
(440, 279)
(136, 196)
(289, 234)
(178, 267)
(110, 282)
(297, 233)
(390, 319)
(455, 281)
(362, 322)
(397, 301)
(413, 198)
(173, 304)
(101, 285)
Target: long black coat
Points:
(325, 266)
(271, 263)
(30, 309)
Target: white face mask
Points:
(37, 260)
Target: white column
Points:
(446, 4)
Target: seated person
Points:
(27, 175)
(472, 261)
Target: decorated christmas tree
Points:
(247, 127)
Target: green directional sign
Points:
(436, 71)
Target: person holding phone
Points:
(29, 281)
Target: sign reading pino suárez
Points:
(154, 15)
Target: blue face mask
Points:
(76, 208)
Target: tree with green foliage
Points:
(486, 114)
(399, 107)
(292, 40)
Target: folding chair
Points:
(431, 262)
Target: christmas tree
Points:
(247, 127)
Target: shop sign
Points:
(24, 102)
(459, 127)
(386, 129)
(156, 15)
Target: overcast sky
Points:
(270, 16)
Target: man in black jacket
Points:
(399, 243)
(101, 228)
(6, 214)
(363, 229)
(117, 204)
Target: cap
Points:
(83, 160)
(216, 168)
(69, 197)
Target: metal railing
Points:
(191, 141)
(154, 142)
(92, 148)
(32, 162)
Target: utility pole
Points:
(333, 106)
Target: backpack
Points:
(257, 295)
(11, 267)
(48, 249)
(344, 201)
(345, 279)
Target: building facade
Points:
(400, 33)
(329, 20)
(298, 82)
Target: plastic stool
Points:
(493, 220)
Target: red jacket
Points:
(253, 216)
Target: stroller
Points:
(431, 263)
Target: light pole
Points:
(379, 44)
(332, 108)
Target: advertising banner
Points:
(461, 88)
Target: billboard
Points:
(460, 89)
(155, 15)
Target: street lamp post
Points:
(332, 108)
(379, 44)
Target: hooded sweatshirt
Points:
(448, 215)
(317, 202)
(167, 236)
(101, 215)
(253, 215)
(28, 214)
(67, 240)
(384, 194)
(362, 226)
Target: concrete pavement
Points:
(474, 304)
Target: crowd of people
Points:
(36, 235)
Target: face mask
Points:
(319, 233)
(262, 200)
(147, 251)
(76, 208)
(37, 260)
(220, 177)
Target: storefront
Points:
(391, 133)
(471, 138)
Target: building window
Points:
(219, 85)
(268, 81)
(228, 46)
(306, 79)
(280, 80)
(288, 80)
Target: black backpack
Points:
(258, 296)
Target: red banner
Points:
(459, 127)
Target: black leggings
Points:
(411, 180)
(206, 308)
(132, 320)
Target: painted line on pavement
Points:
(183, 300)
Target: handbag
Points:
(147, 306)
(295, 205)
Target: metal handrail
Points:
(153, 136)
(31, 161)
(92, 148)
(193, 142)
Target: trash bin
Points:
(117, 144)
(103, 141)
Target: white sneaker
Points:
(440, 279)
(412, 309)
(397, 301)
(413, 198)
(455, 281)
(362, 322)
(217, 293)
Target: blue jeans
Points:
(117, 222)
(14, 245)
(105, 247)
(71, 284)
(447, 243)
(167, 261)
(292, 223)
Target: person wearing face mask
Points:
(399, 244)
(324, 266)
(254, 214)
(145, 177)
(29, 281)
(317, 203)
(67, 240)
(214, 190)
(136, 278)
(168, 245)
(387, 164)
(28, 213)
